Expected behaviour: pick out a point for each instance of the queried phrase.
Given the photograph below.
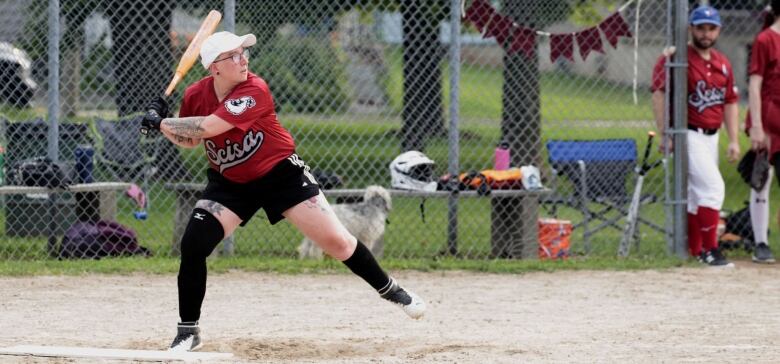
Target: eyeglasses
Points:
(236, 57)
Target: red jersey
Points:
(765, 62)
(710, 87)
(256, 144)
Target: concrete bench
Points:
(509, 228)
(107, 194)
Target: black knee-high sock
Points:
(363, 264)
(201, 236)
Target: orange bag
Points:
(496, 179)
(554, 238)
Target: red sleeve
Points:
(658, 81)
(732, 95)
(758, 57)
(246, 104)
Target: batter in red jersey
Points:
(257, 142)
(763, 124)
(711, 99)
(252, 165)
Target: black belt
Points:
(703, 130)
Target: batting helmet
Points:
(412, 170)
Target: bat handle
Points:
(174, 81)
(650, 136)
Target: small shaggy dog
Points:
(365, 220)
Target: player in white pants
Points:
(712, 100)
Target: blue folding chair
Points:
(598, 171)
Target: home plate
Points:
(77, 352)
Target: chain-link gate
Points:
(557, 84)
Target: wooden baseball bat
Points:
(193, 50)
(191, 54)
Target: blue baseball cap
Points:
(705, 15)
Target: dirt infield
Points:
(680, 315)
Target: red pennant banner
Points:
(562, 45)
(479, 13)
(500, 28)
(613, 27)
(524, 40)
(493, 24)
(589, 40)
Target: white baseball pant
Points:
(705, 183)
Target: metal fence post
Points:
(453, 141)
(230, 15)
(680, 109)
(228, 246)
(53, 111)
(53, 96)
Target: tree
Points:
(521, 113)
(422, 112)
(72, 14)
(141, 50)
(271, 14)
(72, 42)
(512, 229)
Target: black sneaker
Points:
(411, 303)
(187, 337)
(714, 258)
(762, 254)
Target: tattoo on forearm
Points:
(182, 139)
(215, 208)
(185, 127)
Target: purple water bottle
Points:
(502, 157)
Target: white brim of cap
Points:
(247, 40)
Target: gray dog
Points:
(365, 220)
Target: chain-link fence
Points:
(561, 85)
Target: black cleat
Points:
(762, 254)
(187, 337)
(411, 303)
(714, 258)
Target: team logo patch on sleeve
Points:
(239, 105)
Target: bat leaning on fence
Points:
(633, 209)
(190, 55)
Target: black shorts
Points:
(286, 185)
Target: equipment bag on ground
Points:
(87, 239)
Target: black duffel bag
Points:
(37, 171)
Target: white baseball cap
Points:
(222, 42)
